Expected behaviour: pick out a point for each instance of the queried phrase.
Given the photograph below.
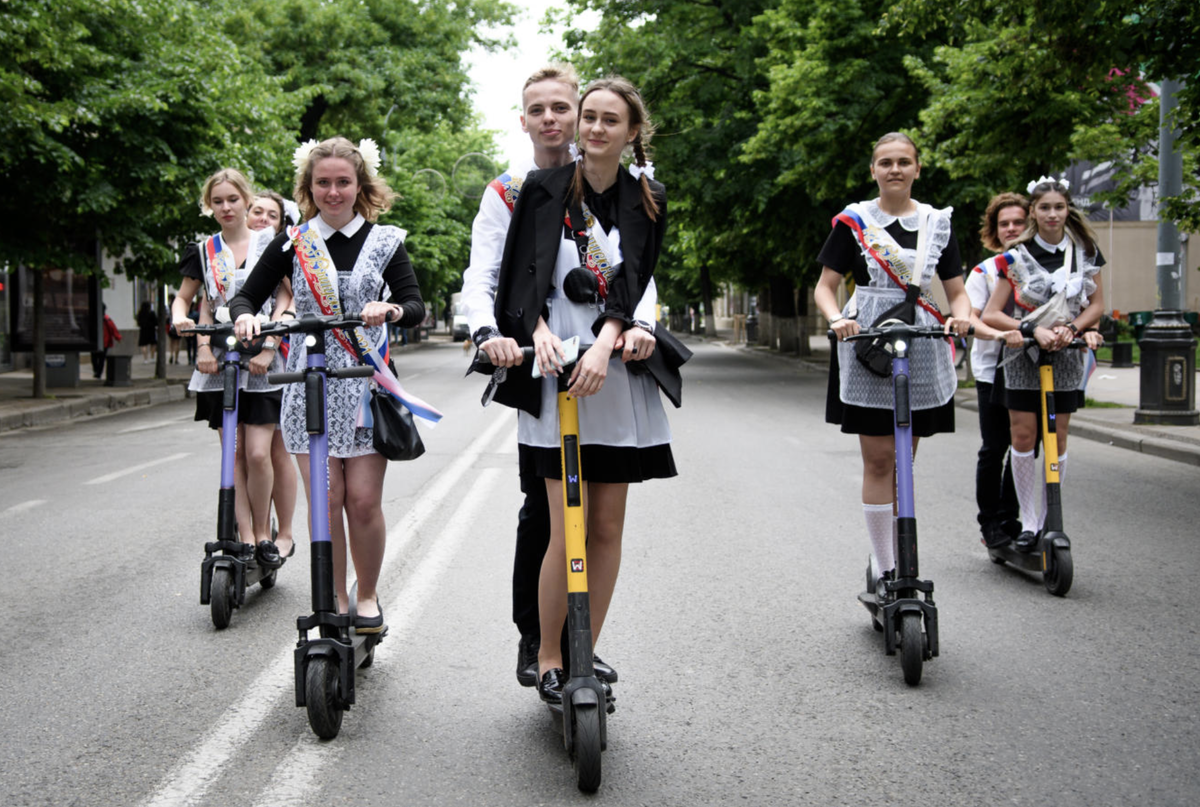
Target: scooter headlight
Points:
(231, 341)
(901, 346)
(310, 340)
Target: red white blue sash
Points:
(315, 264)
(599, 249)
(221, 269)
(886, 255)
(509, 188)
(1000, 264)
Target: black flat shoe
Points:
(268, 555)
(995, 537)
(1025, 542)
(369, 624)
(603, 671)
(527, 663)
(551, 686)
(292, 551)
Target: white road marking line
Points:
(23, 506)
(100, 480)
(289, 784)
(188, 781)
(158, 424)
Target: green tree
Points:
(113, 108)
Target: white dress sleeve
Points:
(488, 234)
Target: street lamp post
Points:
(1168, 368)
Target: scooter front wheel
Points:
(221, 596)
(1059, 572)
(586, 730)
(322, 697)
(912, 648)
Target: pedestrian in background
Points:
(147, 322)
(110, 334)
(877, 243)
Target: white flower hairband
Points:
(366, 147)
(1029, 188)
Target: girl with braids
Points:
(340, 196)
(1057, 254)
(894, 247)
(615, 218)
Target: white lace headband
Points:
(1044, 179)
(366, 147)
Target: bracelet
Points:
(1027, 329)
(200, 344)
(289, 311)
(269, 346)
(836, 318)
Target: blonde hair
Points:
(638, 117)
(374, 196)
(235, 178)
(988, 233)
(555, 71)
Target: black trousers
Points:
(533, 536)
(994, 491)
(98, 359)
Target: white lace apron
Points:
(202, 382)
(363, 285)
(931, 367)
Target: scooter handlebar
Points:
(924, 332)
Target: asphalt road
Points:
(749, 673)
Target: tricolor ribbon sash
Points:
(315, 264)
(877, 243)
(509, 188)
(220, 266)
(999, 265)
(599, 248)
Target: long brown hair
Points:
(374, 196)
(1076, 224)
(639, 117)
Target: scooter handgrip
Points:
(362, 371)
(284, 378)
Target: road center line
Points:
(289, 784)
(23, 506)
(100, 480)
(187, 782)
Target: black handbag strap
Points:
(578, 227)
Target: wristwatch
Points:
(645, 326)
(1074, 328)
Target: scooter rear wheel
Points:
(220, 597)
(912, 648)
(1060, 572)
(586, 745)
(322, 697)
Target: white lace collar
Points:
(911, 222)
(1061, 246)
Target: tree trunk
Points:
(710, 316)
(39, 335)
(783, 313)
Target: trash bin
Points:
(62, 370)
(752, 329)
(1122, 354)
(119, 372)
(1138, 320)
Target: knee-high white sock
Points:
(1025, 480)
(1062, 466)
(879, 530)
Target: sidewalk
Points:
(1109, 385)
(19, 411)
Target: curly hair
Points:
(988, 234)
(639, 118)
(374, 196)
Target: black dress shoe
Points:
(527, 663)
(1026, 542)
(994, 536)
(603, 671)
(268, 555)
(550, 688)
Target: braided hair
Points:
(639, 118)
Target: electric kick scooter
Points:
(325, 666)
(229, 566)
(586, 702)
(1050, 552)
(902, 608)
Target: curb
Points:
(50, 411)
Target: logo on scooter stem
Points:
(576, 564)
